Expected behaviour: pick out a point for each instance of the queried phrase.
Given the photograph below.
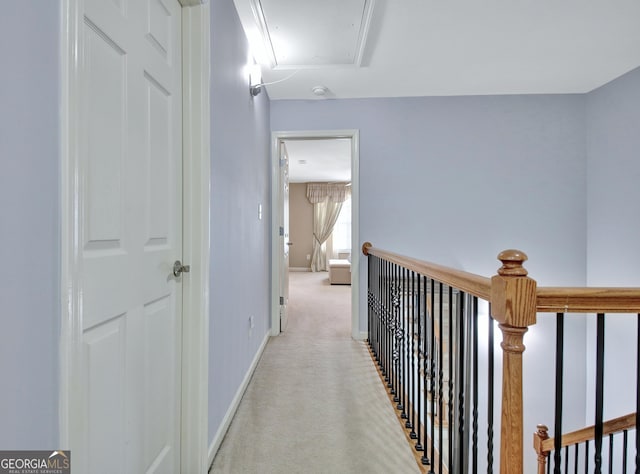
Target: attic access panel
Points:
(308, 33)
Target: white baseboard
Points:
(226, 421)
(363, 336)
(299, 269)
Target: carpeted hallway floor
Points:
(315, 403)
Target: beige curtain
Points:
(336, 192)
(325, 215)
(327, 202)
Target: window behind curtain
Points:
(341, 236)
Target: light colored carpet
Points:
(315, 403)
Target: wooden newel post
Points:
(513, 305)
(539, 436)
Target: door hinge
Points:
(282, 301)
(281, 231)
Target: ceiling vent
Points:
(311, 34)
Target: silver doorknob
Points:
(179, 268)
(289, 243)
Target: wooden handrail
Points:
(615, 425)
(475, 285)
(588, 300)
(548, 299)
(545, 445)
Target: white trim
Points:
(362, 336)
(299, 269)
(69, 231)
(192, 3)
(196, 239)
(355, 234)
(228, 417)
(196, 61)
(354, 135)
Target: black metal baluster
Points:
(575, 459)
(369, 299)
(625, 442)
(474, 413)
(379, 304)
(422, 415)
(638, 394)
(398, 363)
(427, 361)
(404, 341)
(372, 261)
(414, 354)
(390, 328)
(378, 308)
(586, 457)
(432, 374)
(392, 331)
(599, 392)
(490, 394)
(440, 378)
(401, 390)
(385, 318)
(383, 301)
(420, 355)
(557, 453)
(391, 344)
(461, 395)
(404, 394)
(566, 459)
(611, 453)
(450, 401)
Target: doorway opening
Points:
(286, 147)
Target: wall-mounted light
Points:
(255, 80)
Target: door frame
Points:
(276, 211)
(196, 229)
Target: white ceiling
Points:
(335, 37)
(407, 48)
(435, 47)
(325, 160)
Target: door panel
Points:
(104, 349)
(131, 225)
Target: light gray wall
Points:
(240, 243)
(466, 177)
(613, 223)
(29, 229)
(613, 145)
(456, 180)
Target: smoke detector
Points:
(320, 91)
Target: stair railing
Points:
(600, 304)
(406, 300)
(512, 296)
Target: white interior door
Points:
(130, 221)
(284, 237)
